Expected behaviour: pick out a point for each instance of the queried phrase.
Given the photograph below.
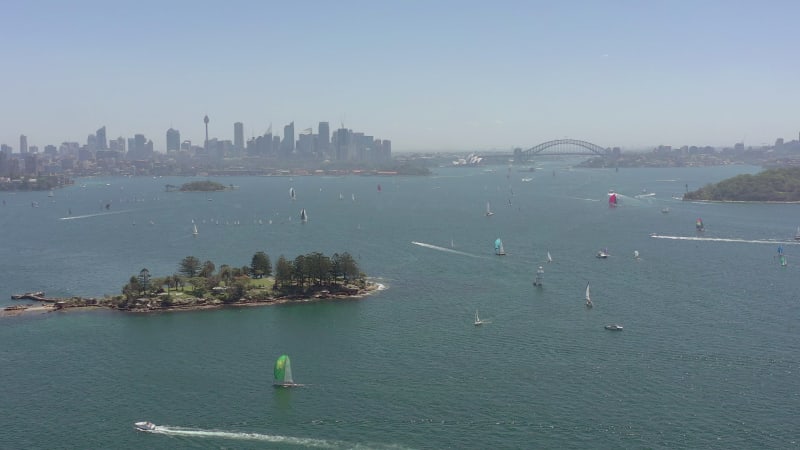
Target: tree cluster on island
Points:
(202, 186)
(196, 283)
(774, 185)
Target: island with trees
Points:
(773, 185)
(200, 186)
(201, 284)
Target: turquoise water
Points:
(708, 357)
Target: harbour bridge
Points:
(558, 147)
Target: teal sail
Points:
(497, 244)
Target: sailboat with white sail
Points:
(292, 194)
(303, 216)
(478, 320)
(588, 297)
(489, 210)
(194, 231)
(549, 258)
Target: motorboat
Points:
(665, 210)
(614, 327)
(602, 254)
(145, 426)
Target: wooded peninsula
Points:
(773, 185)
(201, 285)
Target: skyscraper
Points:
(324, 138)
(287, 146)
(23, 143)
(238, 136)
(173, 140)
(100, 138)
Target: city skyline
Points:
(437, 77)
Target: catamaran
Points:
(498, 248)
(588, 297)
(283, 373)
(489, 210)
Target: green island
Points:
(773, 185)
(201, 186)
(201, 285)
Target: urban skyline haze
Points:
(435, 76)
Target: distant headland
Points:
(200, 285)
(773, 185)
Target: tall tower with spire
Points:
(205, 120)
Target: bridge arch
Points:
(565, 147)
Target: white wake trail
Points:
(444, 249)
(305, 442)
(710, 239)
(85, 216)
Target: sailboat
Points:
(341, 197)
(489, 210)
(194, 231)
(291, 194)
(699, 225)
(303, 215)
(783, 260)
(636, 254)
(283, 373)
(498, 248)
(478, 320)
(588, 297)
(539, 274)
(797, 234)
(549, 258)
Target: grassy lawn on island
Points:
(263, 283)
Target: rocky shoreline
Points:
(157, 304)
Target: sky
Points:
(428, 75)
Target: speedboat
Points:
(145, 426)
(601, 254)
(614, 327)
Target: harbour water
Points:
(708, 357)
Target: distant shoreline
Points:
(82, 303)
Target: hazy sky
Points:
(427, 74)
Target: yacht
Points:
(614, 327)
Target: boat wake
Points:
(86, 216)
(444, 249)
(745, 241)
(274, 438)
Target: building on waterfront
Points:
(205, 121)
(173, 140)
(238, 136)
(23, 143)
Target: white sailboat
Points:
(292, 194)
(478, 320)
(797, 234)
(303, 215)
(489, 210)
(549, 258)
(194, 231)
(636, 254)
(588, 297)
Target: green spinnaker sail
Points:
(283, 370)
